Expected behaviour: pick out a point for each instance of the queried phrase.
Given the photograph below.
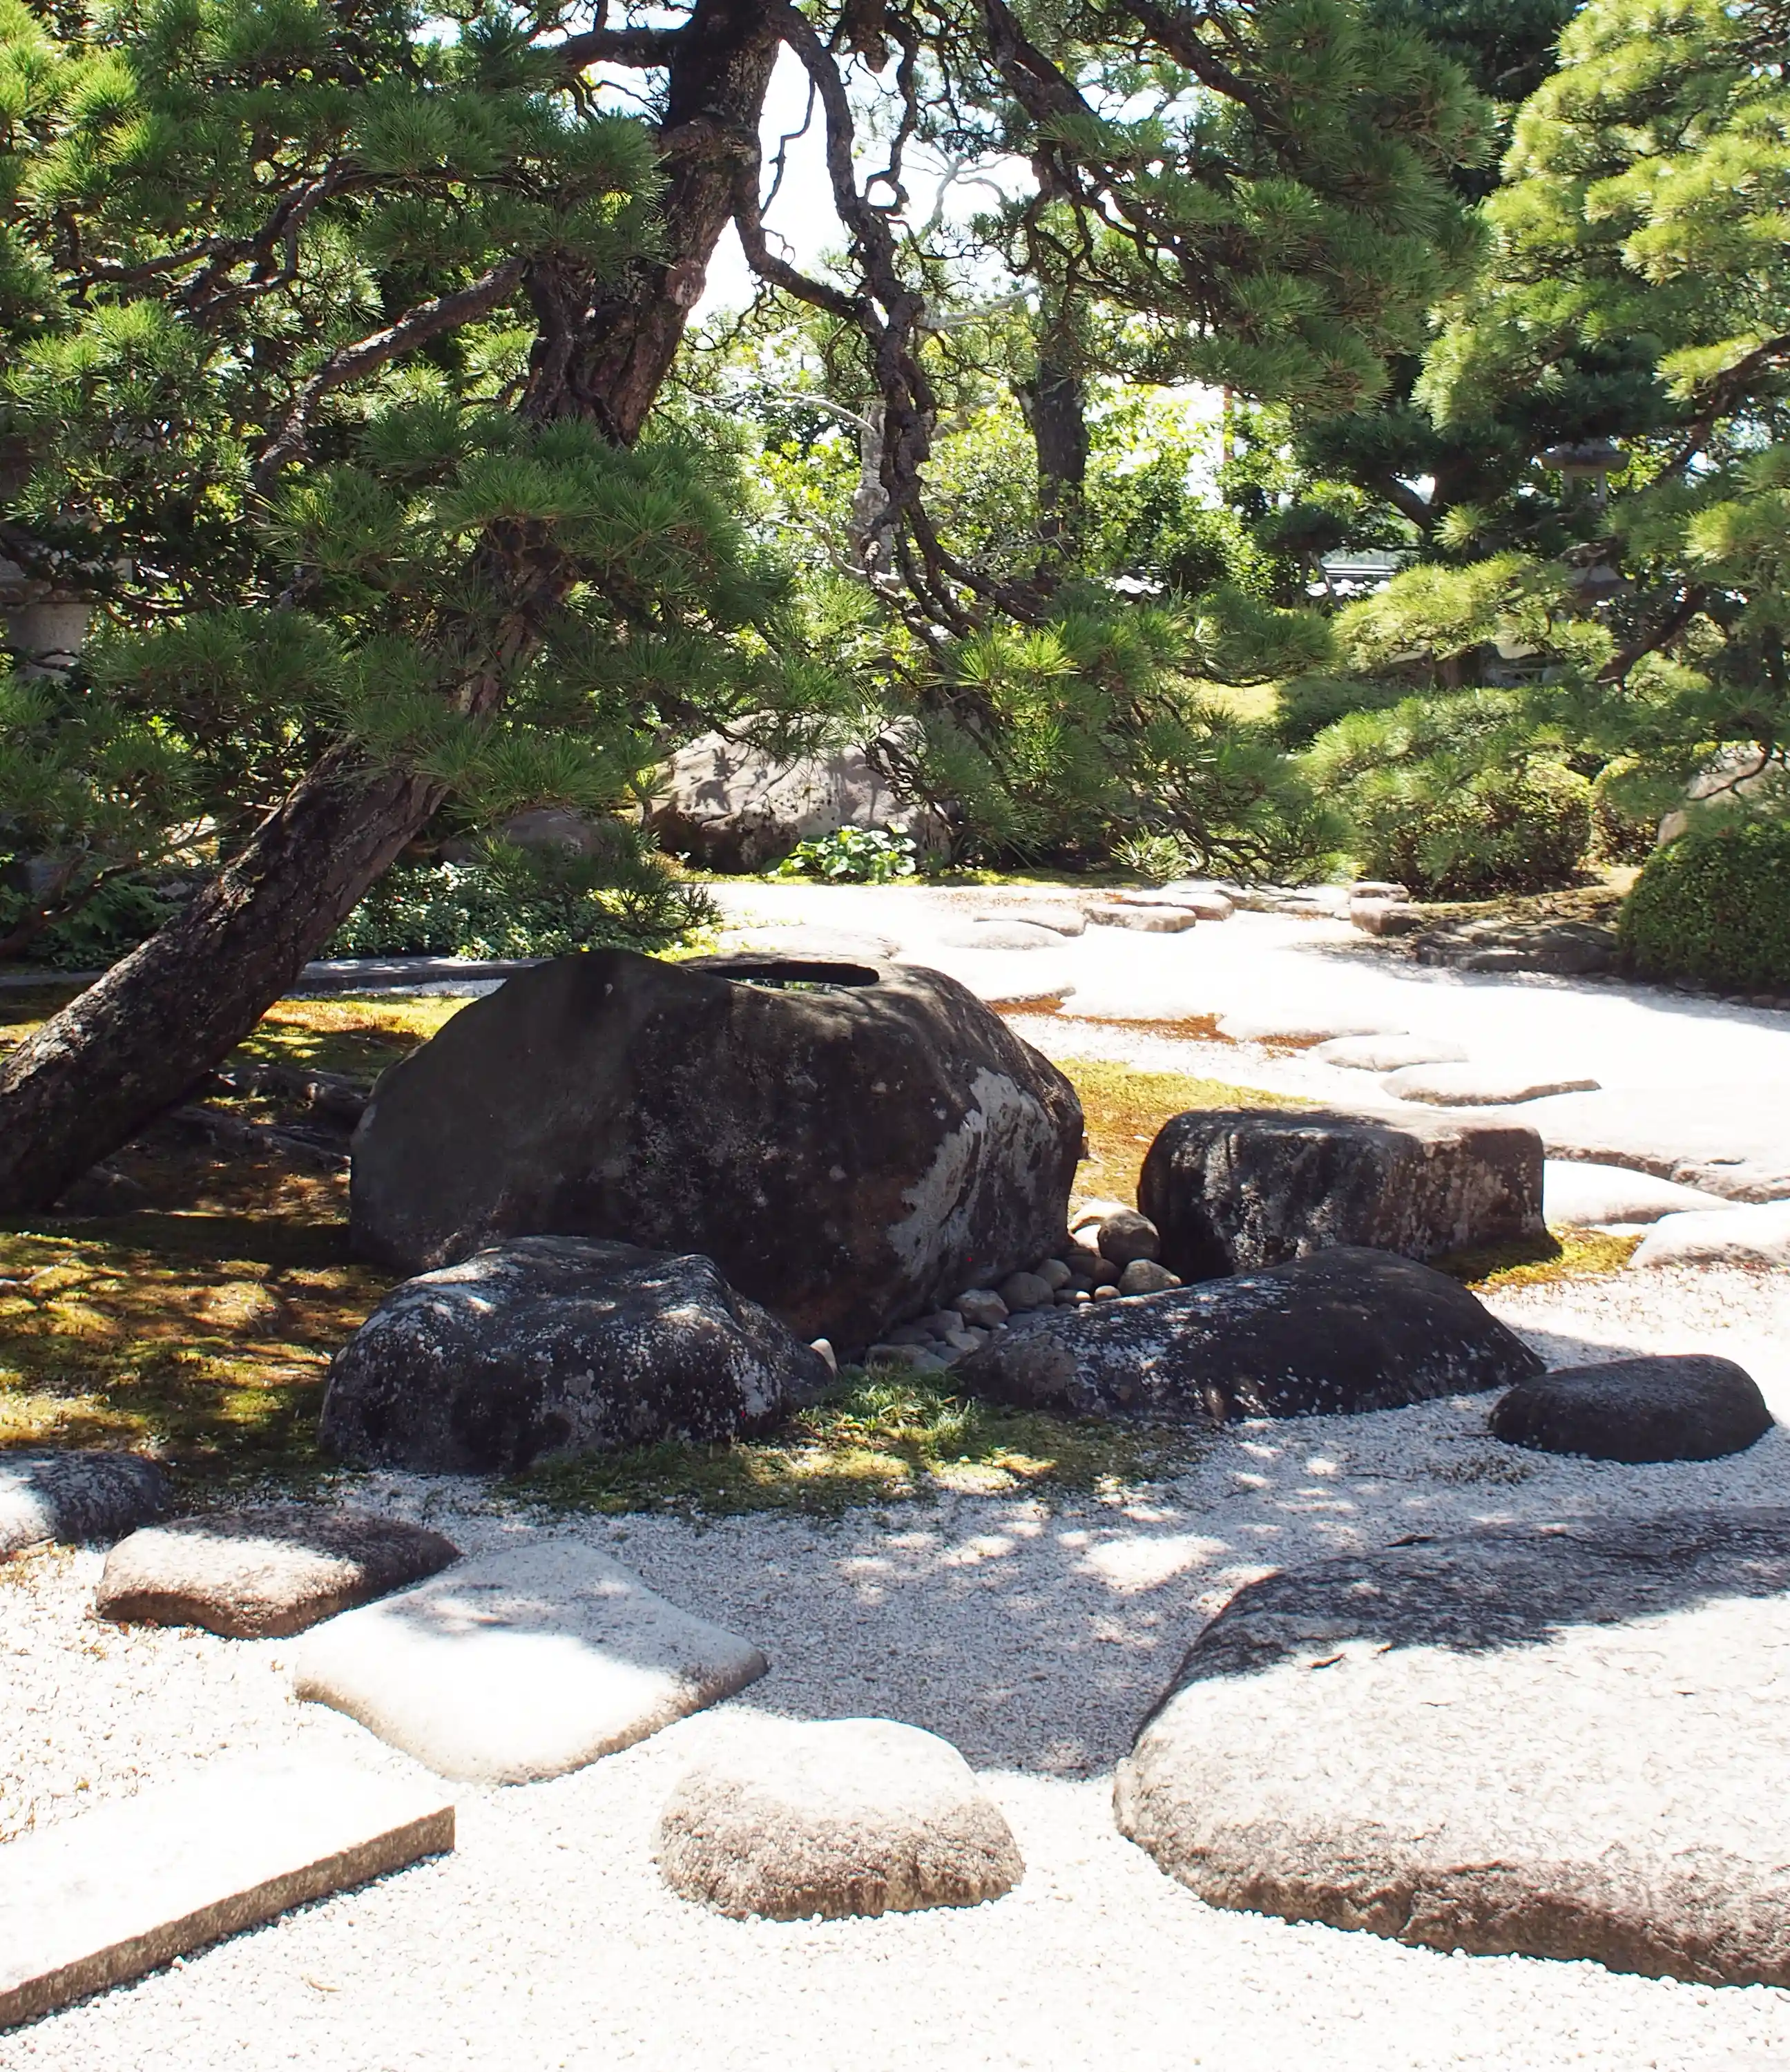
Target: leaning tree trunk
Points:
(138, 1039)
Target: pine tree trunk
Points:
(134, 1043)
(1054, 402)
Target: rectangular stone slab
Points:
(110, 1894)
(522, 1665)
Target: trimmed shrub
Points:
(1713, 907)
(1521, 830)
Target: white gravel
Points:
(1033, 1635)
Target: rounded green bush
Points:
(1309, 705)
(1714, 907)
(1515, 830)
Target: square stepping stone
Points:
(76, 1496)
(273, 1571)
(110, 1894)
(523, 1665)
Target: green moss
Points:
(1123, 1109)
(1566, 1254)
(874, 1441)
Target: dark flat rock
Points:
(1345, 1330)
(252, 1574)
(1234, 1190)
(1656, 1407)
(1557, 1742)
(76, 1496)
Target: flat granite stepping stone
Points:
(1481, 1086)
(1388, 1054)
(836, 1818)
(1147, 920)
(1556, 1741)
(522, 1665)
(1292, 1026)
(1006, 935)
(1586, 1196)
(1655, 1407)
(1061, 919)
(1748, 1234)
(109, 1894)
(254, 1574)
(76, 1497)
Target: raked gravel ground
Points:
(1034, 1633)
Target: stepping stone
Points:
(1746, 1235)
(1235, 1190)
(1588, 1196)
(1562, 1741)
(1479, 1086)
(1659, 1407)
(1008, 935)
(253, 1574)
(1148, 920)
(1294, 1025)
(110, 1894)
(1388, 1054)
(1342, 1331)
(76, 1496)
(522, 1665)
(838, 1818)
(1385, 917)
(1062, 920)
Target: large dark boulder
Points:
(1658, 1407)
(553, 1346)
(850, 1144)
(1233, 1189)
(1558, 1741)
(1341, 1331)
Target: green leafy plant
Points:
(1714, 907)
(525, 903)
(1155, 858)
(852, 856)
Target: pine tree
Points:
(321, 314)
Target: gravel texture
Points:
(1034, 1635)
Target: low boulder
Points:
(553, 1346)
(76, 1497)
(1547, 1741)
(1154, 920)
(1341, 1331)
(1234, 1190)
(850, 1143)
(1658, 1407)
(253, 1575)
(836, 1818)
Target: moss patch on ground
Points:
(874, 1441)
(1124, 1108)
(1566, 1254)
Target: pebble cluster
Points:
(1111, 1252)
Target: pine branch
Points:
(416, 328)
